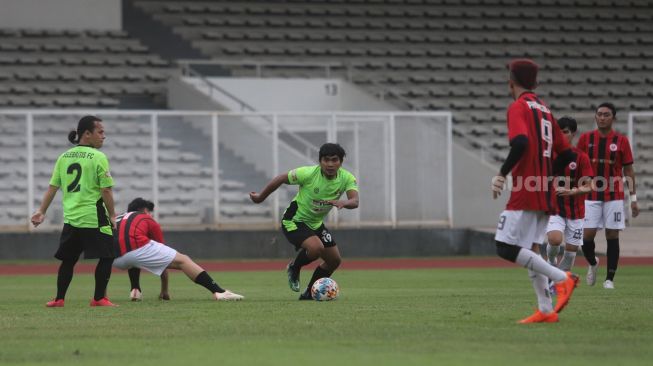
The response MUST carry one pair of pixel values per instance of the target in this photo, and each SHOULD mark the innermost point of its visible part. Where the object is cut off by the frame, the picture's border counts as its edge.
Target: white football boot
(591, 273)
(227, 296)
(608, 285)
(136, 295)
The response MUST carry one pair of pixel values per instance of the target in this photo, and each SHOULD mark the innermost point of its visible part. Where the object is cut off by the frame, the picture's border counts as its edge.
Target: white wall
(61, 14)
(300, 94)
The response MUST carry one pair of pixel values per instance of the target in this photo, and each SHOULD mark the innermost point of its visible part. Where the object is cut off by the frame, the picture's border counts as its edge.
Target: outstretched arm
(39, 215)
(272, 186)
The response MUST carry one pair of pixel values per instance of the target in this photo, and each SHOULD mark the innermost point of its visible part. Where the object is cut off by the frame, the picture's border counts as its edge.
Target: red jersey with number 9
(532, 181)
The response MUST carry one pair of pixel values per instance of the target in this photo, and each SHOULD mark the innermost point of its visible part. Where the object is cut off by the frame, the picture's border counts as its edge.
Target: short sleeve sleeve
(626, 153)
(516, 122)
(582, 143)
(352, 184)
(298, 176)
(55, 180)
(103, 173)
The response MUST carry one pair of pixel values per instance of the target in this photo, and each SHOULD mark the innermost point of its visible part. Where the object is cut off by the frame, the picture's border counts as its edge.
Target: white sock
(533, 261)
(567, 261)
(540, 285)
(552, 253)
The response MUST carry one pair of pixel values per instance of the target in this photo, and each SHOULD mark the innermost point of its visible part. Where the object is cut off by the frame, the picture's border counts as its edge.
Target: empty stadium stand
(69, 68)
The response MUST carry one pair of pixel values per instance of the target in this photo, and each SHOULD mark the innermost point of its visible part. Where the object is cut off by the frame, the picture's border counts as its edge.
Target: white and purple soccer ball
(325, 289)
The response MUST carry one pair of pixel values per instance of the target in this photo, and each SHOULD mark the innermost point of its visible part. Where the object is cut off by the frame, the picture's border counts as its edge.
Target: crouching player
(568, 220)
(139, 244)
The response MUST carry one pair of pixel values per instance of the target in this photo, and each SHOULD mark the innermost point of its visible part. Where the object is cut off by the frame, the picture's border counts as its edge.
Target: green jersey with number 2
(80, 173)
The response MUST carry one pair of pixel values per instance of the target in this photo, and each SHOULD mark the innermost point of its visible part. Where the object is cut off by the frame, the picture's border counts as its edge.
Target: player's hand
(113, 222)
(37, 218)
(498, 182)
(256, 197)
(565, 192)
(336, 203)
(634, 208)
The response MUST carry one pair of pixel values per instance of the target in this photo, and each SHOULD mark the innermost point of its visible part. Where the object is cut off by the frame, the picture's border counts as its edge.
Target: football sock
(552, 253)
(540, 285)
(102, 275)
(205, 280)
(567, 261)
(317, 274)
(588, 251)
(301, 259)
(64, 276)
(613, 258)
(135, 277)
(533, 261)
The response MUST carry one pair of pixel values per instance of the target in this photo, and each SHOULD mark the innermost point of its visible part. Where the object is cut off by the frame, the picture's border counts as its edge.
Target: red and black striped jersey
(573, 207)
(608, 155)
(532, 183)
(135, 229)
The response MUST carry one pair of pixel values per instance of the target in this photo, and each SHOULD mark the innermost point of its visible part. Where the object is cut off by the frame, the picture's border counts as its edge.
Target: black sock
(205, 280)
(135, 277)
(317, 274)
(613, 258)
(102, 275)
(588, 251)
(301, 260)
(64, 276)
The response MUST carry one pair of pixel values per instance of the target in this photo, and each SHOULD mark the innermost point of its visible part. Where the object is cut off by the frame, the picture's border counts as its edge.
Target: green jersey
(314, 189)
(80, 173)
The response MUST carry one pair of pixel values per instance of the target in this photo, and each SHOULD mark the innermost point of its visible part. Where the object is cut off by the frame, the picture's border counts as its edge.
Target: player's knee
(334, 263)
(507, 251)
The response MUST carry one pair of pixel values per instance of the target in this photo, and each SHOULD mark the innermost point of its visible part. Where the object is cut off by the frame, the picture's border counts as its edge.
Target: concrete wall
(61, 14)
(301, 94)
(272, 244)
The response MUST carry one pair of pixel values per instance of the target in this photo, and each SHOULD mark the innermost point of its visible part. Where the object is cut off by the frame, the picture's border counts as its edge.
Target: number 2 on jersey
(547, 136)
(74, 168)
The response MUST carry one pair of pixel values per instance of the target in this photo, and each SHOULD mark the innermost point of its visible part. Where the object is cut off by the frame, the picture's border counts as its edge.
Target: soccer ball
(325, 289)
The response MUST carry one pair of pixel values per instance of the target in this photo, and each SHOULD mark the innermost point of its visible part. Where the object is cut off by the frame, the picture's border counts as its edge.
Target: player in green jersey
(320, 187)
(83, 175)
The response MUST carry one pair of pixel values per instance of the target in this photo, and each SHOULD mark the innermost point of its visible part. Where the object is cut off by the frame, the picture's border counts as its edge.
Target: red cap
(524, 72)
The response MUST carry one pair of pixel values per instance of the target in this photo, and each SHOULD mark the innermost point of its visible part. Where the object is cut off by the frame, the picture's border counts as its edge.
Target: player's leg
(541, 287)
(135, 293)
(592, 222)
(573, 240)
(554, 232)
(68, 253)
(99, 245)
(331, 261)
(165, 293)
(308, 245)
(613, 213)
(198, 275)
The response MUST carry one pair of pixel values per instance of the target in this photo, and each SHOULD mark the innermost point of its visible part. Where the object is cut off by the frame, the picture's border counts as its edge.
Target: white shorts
(608, 214)
(154, 257)
(522, 228)
(572, 229)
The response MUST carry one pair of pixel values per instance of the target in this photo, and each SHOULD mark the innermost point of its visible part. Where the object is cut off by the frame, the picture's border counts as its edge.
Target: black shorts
(297, 236)
(91, 241)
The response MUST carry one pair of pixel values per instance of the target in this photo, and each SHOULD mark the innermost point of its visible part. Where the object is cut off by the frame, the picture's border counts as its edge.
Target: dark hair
(524, 72)
(331, 149)
(138, 204)
(569, 123)
(610, 106)
(87, 123)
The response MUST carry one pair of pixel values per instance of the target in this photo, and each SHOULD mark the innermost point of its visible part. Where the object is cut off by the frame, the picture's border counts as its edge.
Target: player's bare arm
(272, 186)
(350, 203)
(39, 215)
(585, 186)
(629, 172)
(107, 198)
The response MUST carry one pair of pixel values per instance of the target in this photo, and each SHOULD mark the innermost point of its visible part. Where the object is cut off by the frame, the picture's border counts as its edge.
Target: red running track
(352, 264)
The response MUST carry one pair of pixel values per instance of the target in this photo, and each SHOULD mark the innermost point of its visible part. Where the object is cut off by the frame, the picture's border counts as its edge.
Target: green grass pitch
(401, 317)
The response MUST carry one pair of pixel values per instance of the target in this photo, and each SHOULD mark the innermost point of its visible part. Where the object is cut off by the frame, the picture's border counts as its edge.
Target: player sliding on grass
(139, 244)
(567, 222)
(320, 187)
(534, 135)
